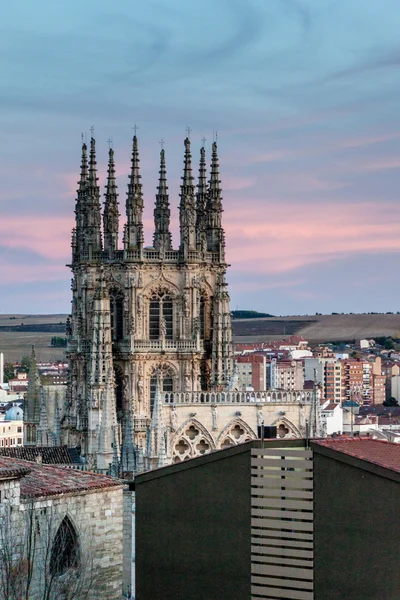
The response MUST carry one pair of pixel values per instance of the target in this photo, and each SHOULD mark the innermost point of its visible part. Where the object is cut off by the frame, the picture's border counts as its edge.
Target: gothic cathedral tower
(143, 314)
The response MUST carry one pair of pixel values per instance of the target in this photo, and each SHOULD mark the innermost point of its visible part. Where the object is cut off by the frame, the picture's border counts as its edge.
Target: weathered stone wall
(98, 520)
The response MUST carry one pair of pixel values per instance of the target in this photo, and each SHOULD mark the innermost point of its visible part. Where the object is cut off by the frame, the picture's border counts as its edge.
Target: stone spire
(140, 459)
(156, 451)
(111, 214)
(133, 237)
(57, 424)
(201, 200)
(100, 366)
(215, 233)
(108, 451)
(92, 211)
(162, 235)
(80, 206)
(32, 404)
(128, 452)
(187, 206)
(42, 433)
(222, 349)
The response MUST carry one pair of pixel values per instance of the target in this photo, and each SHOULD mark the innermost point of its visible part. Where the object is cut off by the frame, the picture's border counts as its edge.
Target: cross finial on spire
(135, 129)
(215, 136)
(92, 130)
(188, 131)
(161, 142)
(203, 141)
(110, 143)
(82, 137)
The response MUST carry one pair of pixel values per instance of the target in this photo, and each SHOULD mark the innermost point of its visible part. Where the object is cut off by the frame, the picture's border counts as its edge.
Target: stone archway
(192, 439)
(235, 432)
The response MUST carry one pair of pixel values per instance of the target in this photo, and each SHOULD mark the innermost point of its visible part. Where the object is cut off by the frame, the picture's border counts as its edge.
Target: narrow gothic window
(154, 318)
(117, 315)
(161, 305)
(65, 550)
(202, 317)
(168, 316)
(119, 393)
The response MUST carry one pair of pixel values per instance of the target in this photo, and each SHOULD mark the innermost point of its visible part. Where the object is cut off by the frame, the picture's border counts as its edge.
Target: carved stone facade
(143, 314)
(151, 377)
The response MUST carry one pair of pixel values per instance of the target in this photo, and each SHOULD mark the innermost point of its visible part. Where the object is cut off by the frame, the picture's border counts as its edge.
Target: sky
(304, 95)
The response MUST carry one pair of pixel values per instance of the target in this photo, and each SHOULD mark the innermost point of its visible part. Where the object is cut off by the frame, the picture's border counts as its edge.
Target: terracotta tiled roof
(46, 480)
(330, 406)
(13, 473)
(377, 452)
(58, 455)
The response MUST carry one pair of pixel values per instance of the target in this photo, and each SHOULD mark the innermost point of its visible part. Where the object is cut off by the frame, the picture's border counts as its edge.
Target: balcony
(167, 345)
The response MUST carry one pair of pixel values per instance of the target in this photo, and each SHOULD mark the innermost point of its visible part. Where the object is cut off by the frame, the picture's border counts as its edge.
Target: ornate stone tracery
(143, 313)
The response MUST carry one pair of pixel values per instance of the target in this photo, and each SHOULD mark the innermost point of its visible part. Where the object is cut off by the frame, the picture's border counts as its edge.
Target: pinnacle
(214, 175)
(202, 184)
(111, 188)
(84, 168)
(187, 179)
(92, 164)
(162, 184)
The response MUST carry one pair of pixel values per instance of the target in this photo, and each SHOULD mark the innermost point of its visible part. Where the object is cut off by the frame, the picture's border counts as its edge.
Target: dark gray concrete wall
(193, 532)
(357, 533)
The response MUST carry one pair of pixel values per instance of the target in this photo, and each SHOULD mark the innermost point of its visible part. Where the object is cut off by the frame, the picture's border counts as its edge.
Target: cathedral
(152, 377)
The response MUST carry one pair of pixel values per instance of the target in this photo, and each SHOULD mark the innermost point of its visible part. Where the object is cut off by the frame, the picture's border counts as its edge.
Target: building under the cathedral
(152, 376)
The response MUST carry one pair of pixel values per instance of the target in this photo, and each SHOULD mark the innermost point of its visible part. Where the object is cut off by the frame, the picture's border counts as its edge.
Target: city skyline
(304, 98)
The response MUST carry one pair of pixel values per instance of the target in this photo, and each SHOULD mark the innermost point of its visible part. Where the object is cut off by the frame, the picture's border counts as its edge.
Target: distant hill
(248, 314)
(318, 328)
(16, 339)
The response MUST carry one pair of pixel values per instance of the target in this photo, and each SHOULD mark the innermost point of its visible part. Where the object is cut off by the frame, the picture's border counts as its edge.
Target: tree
(9, 372)
(25, 364)
(41, 554)
(391, 402)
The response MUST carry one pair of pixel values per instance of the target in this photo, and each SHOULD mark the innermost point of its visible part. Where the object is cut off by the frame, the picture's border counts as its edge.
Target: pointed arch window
(202, 317)
(119, 392)
(117, 314)
(161, 306)
(65, 550)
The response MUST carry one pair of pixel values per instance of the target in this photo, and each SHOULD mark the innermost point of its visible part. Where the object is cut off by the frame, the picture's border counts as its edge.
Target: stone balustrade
(264, 397)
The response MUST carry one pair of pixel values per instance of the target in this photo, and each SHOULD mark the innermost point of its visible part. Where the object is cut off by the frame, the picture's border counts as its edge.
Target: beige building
(289, 374)
(11, 433)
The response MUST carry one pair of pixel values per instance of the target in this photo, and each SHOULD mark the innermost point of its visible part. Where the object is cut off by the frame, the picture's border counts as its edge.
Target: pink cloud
(290, 237)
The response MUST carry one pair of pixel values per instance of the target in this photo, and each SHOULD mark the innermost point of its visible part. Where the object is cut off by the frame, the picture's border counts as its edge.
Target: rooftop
(57, 455)
(46, 480)
(377, 452)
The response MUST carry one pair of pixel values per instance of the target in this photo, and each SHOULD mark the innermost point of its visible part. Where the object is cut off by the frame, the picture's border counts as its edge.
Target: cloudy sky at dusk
(304, 95)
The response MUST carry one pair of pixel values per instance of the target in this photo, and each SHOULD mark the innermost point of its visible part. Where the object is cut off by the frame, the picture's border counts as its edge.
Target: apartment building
(251, 370)
(288, 374)
(11, 434)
